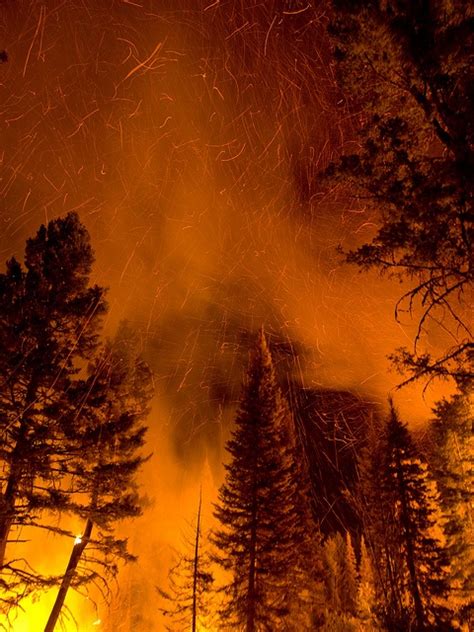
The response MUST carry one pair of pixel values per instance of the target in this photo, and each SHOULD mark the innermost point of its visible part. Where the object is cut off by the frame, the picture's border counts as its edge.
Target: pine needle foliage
(262, 534)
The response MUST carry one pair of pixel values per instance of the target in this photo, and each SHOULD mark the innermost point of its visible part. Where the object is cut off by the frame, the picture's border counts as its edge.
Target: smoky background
(189, 136)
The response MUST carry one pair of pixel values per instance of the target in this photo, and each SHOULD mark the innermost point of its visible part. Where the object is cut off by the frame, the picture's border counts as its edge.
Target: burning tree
(49, 318)
(408, 66)
(265, 531)
(106, 432)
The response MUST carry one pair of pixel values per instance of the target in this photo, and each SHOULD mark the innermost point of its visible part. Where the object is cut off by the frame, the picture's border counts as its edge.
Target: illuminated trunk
(68, 576)
(7, 510)
(196, 565)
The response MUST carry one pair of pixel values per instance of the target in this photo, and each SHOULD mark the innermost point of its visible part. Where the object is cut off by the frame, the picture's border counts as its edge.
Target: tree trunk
(8, 508)
(9, 497)
(19, 456)
(196, 564)
(251, 597)
(68, 576)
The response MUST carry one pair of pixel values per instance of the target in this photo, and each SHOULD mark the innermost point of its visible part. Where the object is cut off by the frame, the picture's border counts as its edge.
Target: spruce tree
(452, 432)
(262, 534)
(49, 320)
(106, 431)
(408, 487)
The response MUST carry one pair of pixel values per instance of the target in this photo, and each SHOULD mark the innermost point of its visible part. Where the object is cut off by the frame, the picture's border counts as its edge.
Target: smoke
(189, 135)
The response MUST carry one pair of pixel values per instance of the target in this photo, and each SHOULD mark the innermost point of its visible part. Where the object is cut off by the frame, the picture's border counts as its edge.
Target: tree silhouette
(263, 535)
(49, 318)
(366, 591)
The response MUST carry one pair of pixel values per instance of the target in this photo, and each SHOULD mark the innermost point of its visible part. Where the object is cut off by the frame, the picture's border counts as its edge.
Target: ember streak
(190, 138)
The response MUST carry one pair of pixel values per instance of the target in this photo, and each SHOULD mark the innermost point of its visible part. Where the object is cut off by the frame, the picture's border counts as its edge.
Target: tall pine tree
(380, 528)
(49, 319)
(263, 530)
(341, 581)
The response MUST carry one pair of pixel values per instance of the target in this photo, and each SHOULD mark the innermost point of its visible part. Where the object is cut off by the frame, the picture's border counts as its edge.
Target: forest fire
(224, 225)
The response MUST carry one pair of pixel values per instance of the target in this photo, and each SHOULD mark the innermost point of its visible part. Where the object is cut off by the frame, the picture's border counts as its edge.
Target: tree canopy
(406, 68)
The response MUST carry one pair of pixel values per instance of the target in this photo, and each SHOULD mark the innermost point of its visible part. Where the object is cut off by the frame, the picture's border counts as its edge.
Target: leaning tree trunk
(7, 507)
(8, 500)
(19, 456)
(68, 576)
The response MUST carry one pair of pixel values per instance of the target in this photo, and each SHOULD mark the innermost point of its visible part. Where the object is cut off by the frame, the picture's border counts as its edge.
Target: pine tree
(190, 585)
(453, 467)
(49, 319)
(261, 533)
(409, 489)
(106, 426)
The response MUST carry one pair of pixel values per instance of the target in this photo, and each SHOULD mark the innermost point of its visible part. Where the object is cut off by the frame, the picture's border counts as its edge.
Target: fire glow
(189, 138)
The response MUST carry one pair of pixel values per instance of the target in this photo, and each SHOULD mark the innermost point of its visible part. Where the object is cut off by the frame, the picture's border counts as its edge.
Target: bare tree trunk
(68, 576)
(196, 563)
